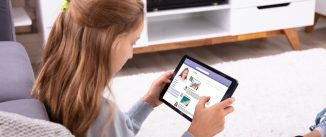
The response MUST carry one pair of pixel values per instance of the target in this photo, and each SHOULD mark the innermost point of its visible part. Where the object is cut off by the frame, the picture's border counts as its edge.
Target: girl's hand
(209, 121)
(153, 94)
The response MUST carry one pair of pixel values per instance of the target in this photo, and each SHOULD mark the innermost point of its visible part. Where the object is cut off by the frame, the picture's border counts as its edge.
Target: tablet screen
(190, 83)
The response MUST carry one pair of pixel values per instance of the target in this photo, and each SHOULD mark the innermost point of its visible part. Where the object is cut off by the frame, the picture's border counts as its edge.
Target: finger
(228, 110)
(166, 77)
(202, 101)
(167, 81)
(226, 103)
(164, 81)
(169, 73)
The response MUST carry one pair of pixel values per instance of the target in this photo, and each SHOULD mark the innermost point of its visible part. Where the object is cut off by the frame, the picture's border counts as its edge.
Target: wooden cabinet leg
(311, 28)
(292, 36)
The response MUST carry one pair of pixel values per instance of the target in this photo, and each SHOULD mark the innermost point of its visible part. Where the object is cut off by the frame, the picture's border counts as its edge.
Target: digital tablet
(190, 81)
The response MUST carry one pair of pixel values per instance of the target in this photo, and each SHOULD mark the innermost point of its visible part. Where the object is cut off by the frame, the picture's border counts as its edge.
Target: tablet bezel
(228, 93)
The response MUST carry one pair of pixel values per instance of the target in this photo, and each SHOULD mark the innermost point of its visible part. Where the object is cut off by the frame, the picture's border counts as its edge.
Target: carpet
(278, 96)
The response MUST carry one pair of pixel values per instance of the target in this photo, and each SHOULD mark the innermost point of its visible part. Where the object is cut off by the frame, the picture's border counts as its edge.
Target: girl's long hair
(76, 65)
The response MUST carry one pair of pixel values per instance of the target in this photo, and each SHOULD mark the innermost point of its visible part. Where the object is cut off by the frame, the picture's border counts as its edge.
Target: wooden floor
(162, 61)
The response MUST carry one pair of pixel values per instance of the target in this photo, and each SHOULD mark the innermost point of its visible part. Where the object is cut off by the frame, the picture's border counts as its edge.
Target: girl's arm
(128, 125)
(124, 124)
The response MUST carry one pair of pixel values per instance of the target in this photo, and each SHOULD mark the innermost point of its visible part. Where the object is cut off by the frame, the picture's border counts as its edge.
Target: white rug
(278, 96)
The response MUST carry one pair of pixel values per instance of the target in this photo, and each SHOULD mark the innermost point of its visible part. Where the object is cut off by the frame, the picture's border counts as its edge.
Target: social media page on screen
(193, 81)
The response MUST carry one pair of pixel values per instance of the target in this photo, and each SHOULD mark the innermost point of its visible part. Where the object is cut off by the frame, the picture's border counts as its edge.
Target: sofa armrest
(16, 73)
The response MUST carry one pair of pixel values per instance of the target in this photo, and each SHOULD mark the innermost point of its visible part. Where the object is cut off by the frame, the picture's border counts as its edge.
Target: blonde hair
(76, 65)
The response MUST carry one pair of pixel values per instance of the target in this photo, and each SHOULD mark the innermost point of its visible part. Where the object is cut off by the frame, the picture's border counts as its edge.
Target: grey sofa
(16, 73)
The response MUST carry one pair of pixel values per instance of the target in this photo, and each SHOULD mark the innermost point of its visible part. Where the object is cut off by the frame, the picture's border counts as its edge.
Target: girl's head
(184, 74)
(89, 43)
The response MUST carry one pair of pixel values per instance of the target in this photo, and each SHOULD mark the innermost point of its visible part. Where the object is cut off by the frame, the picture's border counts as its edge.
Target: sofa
(16, 73)
(20, 113)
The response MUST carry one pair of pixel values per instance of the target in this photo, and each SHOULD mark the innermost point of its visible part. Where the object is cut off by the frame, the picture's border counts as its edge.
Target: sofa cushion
(28, 107)
(16, 73)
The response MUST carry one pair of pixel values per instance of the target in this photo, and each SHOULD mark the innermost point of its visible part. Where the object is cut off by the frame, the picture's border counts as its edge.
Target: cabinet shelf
(184, 28)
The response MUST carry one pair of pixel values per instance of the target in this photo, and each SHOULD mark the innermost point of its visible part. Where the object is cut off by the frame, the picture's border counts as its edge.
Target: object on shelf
(188, 10)
(155, 5)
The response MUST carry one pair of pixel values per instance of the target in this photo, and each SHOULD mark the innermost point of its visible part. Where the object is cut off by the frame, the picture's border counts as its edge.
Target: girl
(89, 43)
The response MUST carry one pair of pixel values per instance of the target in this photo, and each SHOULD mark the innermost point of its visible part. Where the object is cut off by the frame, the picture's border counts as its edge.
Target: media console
(233, 20)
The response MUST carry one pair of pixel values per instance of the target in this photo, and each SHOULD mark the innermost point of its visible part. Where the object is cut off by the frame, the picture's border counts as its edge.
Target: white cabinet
(22, 21)
(321, 7)
(143, 40)
(266, 18)
(232, 18)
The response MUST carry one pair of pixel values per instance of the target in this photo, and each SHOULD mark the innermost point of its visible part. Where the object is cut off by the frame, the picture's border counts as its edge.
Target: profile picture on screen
(184, 74)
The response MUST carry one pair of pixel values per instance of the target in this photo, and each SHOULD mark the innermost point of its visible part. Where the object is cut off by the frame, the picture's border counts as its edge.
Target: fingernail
(233, 99)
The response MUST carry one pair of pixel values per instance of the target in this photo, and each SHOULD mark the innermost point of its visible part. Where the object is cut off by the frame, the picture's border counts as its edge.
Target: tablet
(193, 79)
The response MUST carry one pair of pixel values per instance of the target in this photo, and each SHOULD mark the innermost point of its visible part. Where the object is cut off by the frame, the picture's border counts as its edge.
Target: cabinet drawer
(258, 19)
(251, 3)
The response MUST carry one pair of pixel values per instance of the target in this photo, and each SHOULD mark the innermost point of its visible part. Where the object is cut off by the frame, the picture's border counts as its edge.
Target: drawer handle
(273, 6)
